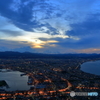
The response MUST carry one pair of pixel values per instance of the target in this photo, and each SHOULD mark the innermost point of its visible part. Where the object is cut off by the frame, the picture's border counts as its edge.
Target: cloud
(29, 15)
(22, 13)
(83, 36)
(11, 44)
(88, 32)
(8, 29)
(7, 45)
(10, 32)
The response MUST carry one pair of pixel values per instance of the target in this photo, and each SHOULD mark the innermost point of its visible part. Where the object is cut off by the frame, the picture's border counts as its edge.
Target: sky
(50, 26)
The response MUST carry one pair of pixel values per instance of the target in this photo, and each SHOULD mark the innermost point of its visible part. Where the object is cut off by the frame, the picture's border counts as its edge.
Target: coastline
(3, 83)
(83, 70)
(11, 84)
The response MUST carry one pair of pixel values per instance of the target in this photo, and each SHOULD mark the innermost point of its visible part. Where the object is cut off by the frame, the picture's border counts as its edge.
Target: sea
(92, 67)
(14, 80)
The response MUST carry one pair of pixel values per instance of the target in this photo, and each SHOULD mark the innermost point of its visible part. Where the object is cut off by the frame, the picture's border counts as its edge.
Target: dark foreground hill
(9, 54)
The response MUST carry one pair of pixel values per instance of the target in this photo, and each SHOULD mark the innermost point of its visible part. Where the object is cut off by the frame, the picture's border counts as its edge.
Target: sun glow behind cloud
(33, 39)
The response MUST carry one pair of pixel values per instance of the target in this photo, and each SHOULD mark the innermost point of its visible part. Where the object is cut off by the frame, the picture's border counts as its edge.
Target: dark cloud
(11, 33)
(24, 15)
(11, 44)
(51, 30)
(89, 27)
(6, 45)
(88, 32)
(44, 39)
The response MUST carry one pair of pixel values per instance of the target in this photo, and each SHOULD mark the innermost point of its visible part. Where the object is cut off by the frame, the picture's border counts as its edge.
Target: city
(52, 79)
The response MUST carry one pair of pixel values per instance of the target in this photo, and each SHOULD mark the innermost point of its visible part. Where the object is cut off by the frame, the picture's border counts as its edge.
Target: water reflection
(92, 67)
(14, 80)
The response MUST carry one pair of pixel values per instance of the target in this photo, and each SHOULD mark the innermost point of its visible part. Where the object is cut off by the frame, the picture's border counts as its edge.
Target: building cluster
(52, 79)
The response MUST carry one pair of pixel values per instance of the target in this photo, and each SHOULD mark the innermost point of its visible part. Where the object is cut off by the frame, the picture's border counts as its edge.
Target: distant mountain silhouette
(4, 49)
(22, 49)
(11, 54)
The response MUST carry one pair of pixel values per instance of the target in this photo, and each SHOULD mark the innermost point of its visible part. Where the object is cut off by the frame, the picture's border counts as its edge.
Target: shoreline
(5, 88)
(3, 83)
(80, 67)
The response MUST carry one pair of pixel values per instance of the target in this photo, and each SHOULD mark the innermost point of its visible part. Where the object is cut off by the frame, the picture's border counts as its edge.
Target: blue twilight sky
(50, 26)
